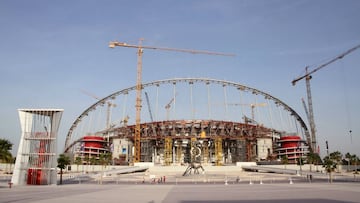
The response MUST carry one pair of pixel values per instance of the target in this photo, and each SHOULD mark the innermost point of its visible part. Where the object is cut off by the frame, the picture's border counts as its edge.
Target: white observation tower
(36, 162)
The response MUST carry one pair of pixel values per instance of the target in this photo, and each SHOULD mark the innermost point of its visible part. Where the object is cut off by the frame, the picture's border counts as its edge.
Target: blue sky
(50, 50)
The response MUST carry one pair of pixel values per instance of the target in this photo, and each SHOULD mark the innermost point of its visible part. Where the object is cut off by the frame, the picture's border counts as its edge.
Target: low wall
(6, 168)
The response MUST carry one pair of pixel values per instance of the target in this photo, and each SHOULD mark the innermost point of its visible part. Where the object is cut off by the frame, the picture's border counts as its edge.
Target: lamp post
(300, 157)
(348, 165)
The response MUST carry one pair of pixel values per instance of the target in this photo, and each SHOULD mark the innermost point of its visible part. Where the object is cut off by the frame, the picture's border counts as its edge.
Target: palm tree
(347, 160)
(77, 161)
(5, 154)
(63, 161)
(356, 160)
(336, 157)
(330, 165)
(313, 158)
(86, 160)
(350, 159)
(104, 159)
(93, 161)
(284, 160)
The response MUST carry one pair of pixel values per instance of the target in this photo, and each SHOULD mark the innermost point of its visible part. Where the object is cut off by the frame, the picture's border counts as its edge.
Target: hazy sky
(50, 50)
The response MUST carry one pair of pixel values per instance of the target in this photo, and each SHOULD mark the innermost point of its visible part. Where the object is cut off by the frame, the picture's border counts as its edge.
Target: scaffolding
(146, 150)
(195, 150)
(205, 147)
(185, 142)
(36, 162)
(179, 152)
(168, 151)
(218, 151)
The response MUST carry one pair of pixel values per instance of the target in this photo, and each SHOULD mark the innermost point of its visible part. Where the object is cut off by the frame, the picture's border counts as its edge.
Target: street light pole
(300, 161)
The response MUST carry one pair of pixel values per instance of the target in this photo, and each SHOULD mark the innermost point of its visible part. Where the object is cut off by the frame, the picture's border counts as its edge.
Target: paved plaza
(217, 184)
(184, 193)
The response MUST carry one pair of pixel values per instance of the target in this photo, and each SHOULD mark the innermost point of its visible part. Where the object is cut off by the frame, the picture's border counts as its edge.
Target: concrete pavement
(156, 193)
(217, 184)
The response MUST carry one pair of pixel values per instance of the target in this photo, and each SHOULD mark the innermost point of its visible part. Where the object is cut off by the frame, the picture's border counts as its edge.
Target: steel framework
(70, 142)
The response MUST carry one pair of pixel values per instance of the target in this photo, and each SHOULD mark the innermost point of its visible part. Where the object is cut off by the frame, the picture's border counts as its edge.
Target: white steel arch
(206, 81)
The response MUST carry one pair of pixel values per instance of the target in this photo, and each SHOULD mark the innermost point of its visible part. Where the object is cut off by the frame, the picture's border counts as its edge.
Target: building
(91, 146)
(180, 142)
(293, 148)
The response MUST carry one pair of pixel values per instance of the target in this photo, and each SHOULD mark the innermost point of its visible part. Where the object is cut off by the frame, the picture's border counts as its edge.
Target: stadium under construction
(182, 141)
(206, 141)
(211, 127)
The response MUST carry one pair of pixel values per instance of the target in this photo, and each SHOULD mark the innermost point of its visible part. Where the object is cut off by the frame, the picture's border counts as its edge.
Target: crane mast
(140, 48)
(308, 77)
(305, 108)
(137, 137)
(149, 107)
(311, 111)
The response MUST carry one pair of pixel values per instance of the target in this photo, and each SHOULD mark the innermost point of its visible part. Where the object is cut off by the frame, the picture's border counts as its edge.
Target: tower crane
(140, 48)
(305, 108)
(109, 106)
(308, 77)
(168, 106)
(149, 107)
(252, 106)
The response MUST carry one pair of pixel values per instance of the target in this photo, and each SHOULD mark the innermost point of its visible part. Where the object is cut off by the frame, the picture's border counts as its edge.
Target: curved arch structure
(206, 81)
